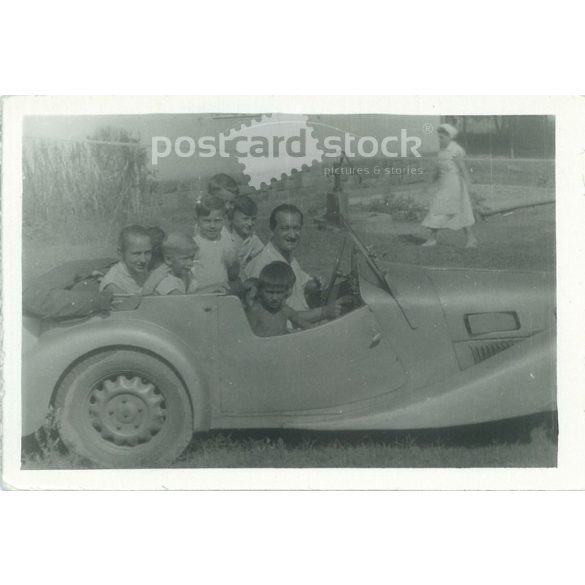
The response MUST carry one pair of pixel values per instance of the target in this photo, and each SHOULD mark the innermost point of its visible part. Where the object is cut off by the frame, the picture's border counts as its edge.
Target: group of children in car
(213, 260)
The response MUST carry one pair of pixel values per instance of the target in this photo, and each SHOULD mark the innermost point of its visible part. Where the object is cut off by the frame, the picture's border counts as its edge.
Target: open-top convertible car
(417, 348)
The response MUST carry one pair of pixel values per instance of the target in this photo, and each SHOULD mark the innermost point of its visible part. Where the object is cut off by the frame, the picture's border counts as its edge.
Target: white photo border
(570, 237)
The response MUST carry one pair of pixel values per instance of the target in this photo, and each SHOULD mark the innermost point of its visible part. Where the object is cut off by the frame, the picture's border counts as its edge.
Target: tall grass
(105, 178)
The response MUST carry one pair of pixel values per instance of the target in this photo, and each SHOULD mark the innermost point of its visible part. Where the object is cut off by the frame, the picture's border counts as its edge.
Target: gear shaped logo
(274, 146)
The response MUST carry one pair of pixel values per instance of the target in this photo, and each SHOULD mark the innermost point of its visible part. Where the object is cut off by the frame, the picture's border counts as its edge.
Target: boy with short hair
(215, 260)
(242, 218)
(179, 254)
(223, 186)
(268, 314)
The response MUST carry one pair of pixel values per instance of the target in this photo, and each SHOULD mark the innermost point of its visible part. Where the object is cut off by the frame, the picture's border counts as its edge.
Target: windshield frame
(369, 257)
(380, 275)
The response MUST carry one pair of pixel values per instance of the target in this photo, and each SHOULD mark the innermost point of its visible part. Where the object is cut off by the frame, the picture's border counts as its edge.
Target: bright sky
(173, 126)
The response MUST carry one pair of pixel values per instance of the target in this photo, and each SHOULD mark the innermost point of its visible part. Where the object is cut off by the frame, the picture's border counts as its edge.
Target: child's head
(223, 186)
(179, 253)
(209, 215)
(135, 249)
(243, 215)
(275, 283)
(157, 235)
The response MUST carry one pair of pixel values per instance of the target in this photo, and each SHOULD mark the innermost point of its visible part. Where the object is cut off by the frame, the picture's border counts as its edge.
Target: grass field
(529, 442)
(526, 442)
(523, 240)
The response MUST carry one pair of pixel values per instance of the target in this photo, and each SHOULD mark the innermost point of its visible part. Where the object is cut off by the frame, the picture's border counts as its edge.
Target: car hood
(494, 303)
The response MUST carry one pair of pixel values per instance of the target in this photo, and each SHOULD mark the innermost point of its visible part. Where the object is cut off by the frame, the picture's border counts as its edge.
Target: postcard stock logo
(275, 146)
(278, 144)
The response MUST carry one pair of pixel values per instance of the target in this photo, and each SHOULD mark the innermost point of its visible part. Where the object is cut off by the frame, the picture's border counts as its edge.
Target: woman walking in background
(451, 205)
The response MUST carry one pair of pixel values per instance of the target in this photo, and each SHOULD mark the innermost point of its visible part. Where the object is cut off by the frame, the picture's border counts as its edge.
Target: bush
(402, 207)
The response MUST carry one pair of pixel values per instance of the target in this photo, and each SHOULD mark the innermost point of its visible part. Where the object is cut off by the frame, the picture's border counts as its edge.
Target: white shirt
(119, 276)
(246, 249)
(171, 283)
(212, 260)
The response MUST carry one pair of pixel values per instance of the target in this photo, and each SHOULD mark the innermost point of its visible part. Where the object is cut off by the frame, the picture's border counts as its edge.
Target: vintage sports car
(417, 348)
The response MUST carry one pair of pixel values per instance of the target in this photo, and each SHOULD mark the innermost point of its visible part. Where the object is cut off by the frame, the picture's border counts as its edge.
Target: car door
(340, 362)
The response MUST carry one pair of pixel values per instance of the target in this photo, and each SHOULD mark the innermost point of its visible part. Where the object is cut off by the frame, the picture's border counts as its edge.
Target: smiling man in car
(286, 223)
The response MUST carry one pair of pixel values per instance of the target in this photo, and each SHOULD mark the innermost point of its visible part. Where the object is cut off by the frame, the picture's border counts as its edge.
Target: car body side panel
(517, 382)
(340, 362)
(421, 339)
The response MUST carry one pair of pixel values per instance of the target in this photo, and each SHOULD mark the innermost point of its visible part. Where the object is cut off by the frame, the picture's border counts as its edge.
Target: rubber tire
(71, 404)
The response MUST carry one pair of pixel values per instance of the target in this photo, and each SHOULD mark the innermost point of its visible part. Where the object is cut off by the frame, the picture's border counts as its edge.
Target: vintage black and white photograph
(272, 289)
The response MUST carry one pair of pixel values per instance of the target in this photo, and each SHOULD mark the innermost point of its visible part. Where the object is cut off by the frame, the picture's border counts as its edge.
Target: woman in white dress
(451, 206)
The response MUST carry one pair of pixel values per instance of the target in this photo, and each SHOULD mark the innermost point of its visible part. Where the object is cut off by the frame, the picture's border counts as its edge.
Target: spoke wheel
(124, 409)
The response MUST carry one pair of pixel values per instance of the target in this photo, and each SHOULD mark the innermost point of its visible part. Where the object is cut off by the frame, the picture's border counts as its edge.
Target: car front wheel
(124, 409)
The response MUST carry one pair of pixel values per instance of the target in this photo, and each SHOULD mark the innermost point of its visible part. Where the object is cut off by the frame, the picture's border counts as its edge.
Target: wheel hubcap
(127, 410)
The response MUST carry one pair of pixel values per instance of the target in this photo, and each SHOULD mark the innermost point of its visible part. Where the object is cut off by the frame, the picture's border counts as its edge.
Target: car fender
(517, 382)
(58, 350)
